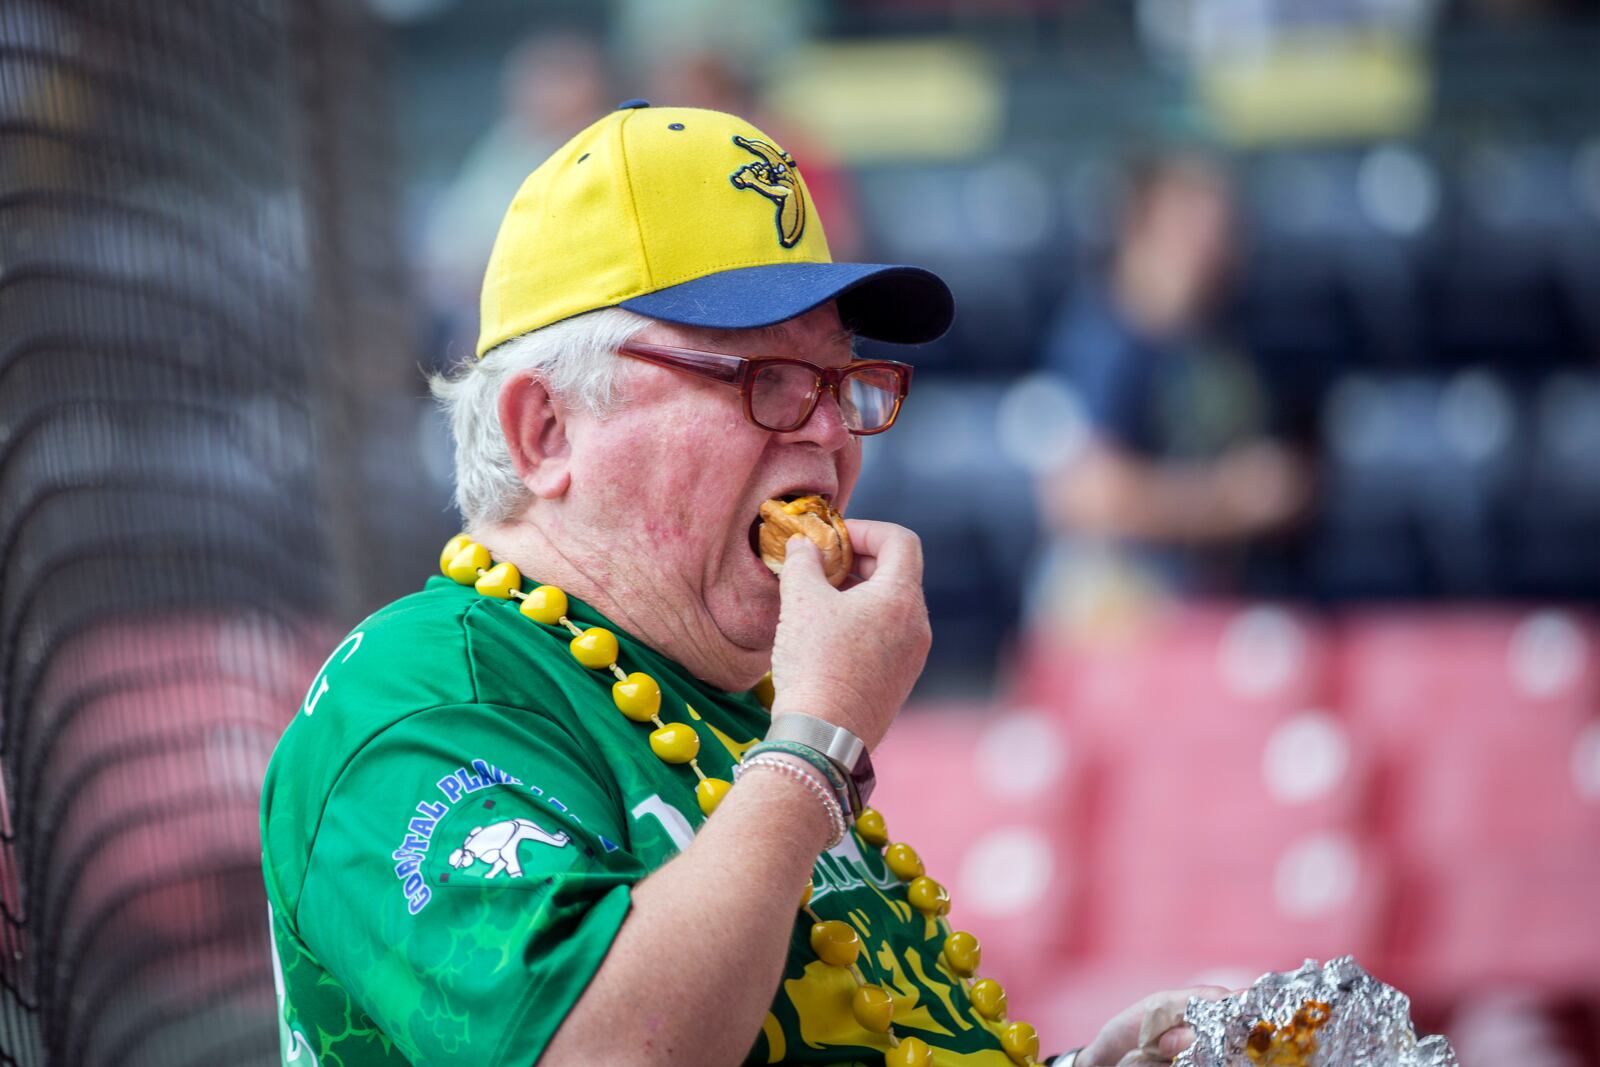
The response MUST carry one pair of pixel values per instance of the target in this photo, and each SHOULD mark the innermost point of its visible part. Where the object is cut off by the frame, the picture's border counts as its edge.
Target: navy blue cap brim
(903, 305)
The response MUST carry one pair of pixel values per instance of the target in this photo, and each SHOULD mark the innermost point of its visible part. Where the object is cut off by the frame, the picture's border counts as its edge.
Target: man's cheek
(664, 482)
(663, 533)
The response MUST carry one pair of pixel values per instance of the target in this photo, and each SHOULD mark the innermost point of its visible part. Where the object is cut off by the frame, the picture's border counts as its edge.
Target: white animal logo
(497, 845)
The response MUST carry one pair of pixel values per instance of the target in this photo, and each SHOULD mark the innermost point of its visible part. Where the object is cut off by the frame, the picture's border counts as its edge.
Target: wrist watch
(847, 751)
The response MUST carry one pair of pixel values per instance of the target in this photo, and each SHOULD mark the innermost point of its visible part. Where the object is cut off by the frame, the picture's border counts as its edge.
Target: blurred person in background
(1178, 475)
(552, 85)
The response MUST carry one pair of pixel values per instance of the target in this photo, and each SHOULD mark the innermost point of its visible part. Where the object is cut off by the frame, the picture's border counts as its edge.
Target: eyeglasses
(780, 394)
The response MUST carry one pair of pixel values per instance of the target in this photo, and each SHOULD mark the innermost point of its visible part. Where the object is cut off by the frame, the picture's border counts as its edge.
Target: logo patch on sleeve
(490, 828)
(497, 844)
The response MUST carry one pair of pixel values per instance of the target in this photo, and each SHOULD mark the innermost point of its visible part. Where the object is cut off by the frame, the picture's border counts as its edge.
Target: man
(661, 918)
(1179, 474)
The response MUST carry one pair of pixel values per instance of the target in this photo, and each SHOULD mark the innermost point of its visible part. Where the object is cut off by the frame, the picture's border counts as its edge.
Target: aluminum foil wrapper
(1369, 1024)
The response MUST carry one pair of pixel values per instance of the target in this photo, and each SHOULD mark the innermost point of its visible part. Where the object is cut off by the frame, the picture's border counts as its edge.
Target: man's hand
(851, 656)
(1149, 1033)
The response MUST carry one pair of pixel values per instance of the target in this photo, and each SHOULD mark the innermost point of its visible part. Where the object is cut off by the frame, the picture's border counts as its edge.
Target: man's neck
(667, 620)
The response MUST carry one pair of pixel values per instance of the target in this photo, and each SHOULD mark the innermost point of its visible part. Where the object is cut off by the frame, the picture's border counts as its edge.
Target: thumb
(802, 565)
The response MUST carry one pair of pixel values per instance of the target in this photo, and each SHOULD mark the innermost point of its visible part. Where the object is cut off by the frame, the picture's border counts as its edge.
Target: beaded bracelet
(825, 766)
(807, 778)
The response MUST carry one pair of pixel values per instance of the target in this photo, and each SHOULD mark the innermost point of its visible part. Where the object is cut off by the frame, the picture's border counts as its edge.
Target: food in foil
(1292, 1044)
(1332, 1015)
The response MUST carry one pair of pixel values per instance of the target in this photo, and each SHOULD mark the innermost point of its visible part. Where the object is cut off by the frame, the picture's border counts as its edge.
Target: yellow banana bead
(499, 580)
(675, 742)
(710, 792)
(989, 997)
(764, 692)
(910, 1052)
(1020, 1042)
(928, 896)
(903, 861)
(545, 604)
(871, 827)
(465, 564)
(637, 696)
(962, 952)
(452, 548)
(836, 943)
(873, 1007)
(805, 898)
(595, 648)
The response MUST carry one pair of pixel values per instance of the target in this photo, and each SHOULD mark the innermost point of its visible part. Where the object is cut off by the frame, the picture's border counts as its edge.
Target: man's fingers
(1161, 1014)
(802, 565)
(884, 546)
(1176, 1040)
(1178, 1035)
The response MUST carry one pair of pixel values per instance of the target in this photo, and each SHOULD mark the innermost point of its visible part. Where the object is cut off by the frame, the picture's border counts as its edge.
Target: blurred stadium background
(233, 236)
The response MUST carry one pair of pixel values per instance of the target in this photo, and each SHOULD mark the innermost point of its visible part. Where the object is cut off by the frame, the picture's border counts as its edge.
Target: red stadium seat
(1441, 822)
(1495, 837)
(990, 800)
(1225, 816)
(1481, 792)
(1405, 677)
(1524, 920)
(1251, 660)
(1216, 846)
(1486, 730)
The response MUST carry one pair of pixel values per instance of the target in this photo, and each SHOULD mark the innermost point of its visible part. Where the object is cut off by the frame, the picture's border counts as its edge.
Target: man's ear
(535, 427)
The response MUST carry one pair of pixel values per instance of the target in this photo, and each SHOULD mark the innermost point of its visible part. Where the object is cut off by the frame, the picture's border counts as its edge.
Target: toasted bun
(813, 517)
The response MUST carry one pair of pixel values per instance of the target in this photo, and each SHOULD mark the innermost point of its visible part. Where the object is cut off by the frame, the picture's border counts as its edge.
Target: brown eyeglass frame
(740, 372)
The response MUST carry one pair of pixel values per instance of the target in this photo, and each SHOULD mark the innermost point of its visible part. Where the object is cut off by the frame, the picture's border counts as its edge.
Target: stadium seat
(1217, 846)
(1485, 727)
(1225, 810)
(1407, 676)
(991, 801)
(1256, 661)
(1493, 837)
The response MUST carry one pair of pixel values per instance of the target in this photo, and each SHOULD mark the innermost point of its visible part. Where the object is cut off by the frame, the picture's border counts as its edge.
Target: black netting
(198, 297)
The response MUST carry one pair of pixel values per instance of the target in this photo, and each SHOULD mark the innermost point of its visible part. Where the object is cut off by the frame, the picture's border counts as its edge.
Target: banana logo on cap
(773, 176)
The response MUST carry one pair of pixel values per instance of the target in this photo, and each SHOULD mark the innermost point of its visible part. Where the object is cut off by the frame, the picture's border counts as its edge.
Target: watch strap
(835, 742)
(844, 748)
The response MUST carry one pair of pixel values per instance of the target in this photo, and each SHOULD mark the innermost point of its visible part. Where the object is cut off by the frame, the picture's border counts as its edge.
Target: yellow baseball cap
(691, 217)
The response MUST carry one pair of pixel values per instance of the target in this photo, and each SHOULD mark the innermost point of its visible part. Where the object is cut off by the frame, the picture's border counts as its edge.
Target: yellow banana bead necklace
(835, 941)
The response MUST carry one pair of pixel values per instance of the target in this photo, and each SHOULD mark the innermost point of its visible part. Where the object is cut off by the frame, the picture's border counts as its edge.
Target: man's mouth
(787, 496)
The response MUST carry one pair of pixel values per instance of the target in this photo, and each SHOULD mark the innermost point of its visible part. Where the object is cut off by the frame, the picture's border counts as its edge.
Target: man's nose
(825, 428)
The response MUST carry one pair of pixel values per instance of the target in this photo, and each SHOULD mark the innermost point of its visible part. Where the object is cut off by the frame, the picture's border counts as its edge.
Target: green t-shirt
(451, 826)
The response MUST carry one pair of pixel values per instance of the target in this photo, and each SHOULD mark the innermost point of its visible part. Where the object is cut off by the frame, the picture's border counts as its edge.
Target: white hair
(577, 361)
